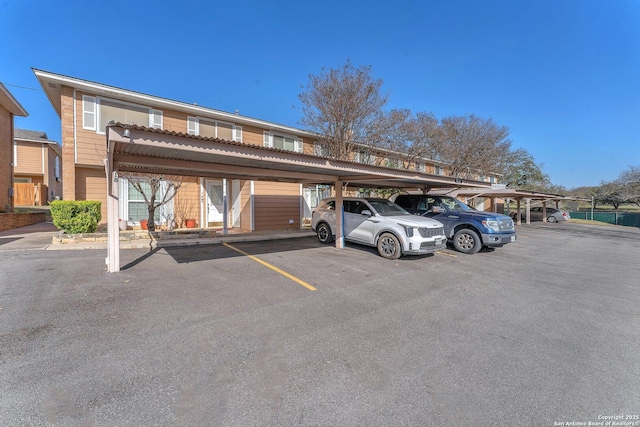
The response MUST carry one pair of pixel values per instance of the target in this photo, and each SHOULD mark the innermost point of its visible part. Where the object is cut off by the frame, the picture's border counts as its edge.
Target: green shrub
(76, 216)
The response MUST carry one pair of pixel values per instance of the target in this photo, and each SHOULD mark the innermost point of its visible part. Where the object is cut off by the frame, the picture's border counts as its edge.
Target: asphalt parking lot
(541, 332)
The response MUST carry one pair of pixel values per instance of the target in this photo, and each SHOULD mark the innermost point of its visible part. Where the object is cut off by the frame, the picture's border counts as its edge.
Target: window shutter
(237, 133)
(267, 139)
(298, 145)
(156, 119)
(192, 125)
(88, 112)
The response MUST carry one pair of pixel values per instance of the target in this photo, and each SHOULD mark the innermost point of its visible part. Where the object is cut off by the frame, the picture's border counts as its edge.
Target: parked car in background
(468, 229)
(379, 223)
(553, 214)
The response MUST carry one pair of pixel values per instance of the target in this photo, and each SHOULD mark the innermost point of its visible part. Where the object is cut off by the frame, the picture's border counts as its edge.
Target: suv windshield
(387, 208)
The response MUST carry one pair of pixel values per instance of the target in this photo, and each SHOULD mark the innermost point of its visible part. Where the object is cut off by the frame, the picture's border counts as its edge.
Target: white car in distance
(379, 223)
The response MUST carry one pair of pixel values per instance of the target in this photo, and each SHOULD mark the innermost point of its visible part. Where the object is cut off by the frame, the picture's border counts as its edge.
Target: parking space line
(274, 268)
(447, 254)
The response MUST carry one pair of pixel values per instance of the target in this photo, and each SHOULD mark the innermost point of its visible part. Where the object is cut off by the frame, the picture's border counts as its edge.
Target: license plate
(513, 238)
(438, 240)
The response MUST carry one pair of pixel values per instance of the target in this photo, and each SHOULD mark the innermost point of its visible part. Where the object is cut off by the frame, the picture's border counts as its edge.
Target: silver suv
(382, 224)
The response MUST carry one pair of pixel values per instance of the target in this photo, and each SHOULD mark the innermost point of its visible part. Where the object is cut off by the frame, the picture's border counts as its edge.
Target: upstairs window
(365, 157)
(214, 129)
(419, 166)
(321, 150)
(97, 112)
(282, 142)
(438, 170)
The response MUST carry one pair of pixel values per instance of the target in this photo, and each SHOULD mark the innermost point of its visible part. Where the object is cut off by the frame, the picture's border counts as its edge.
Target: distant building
(37, 160)
(9, 107)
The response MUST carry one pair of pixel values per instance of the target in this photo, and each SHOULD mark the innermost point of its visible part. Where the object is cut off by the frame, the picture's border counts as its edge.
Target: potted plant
(143, 224)
(190, 223)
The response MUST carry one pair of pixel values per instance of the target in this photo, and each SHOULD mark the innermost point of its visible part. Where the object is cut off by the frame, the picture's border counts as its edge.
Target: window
(214, 129)
(492, 179)
(392, 163)
(282, 142)
(18, 180)
(57, 168)
(365, 157)
(98, 112)
(135, 208)
(420, 167)
(321, 150)
(437, 170)
(88, 112)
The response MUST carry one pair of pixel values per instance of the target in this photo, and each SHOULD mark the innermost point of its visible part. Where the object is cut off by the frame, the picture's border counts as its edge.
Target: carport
(508, 193)
(137, 149)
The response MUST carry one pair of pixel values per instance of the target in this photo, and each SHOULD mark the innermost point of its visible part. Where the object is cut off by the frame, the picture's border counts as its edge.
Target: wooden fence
(28, 194)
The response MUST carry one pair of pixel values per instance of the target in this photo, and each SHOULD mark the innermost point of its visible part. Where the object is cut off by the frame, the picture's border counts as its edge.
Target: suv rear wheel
(324, 233)
(467, 241)
(389, 246)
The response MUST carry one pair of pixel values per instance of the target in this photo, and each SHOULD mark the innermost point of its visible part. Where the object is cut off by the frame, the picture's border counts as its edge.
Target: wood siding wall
(245, 205)
(186, 204)
(6, 157)
(91, 184)
(29, 159)
(276, 204)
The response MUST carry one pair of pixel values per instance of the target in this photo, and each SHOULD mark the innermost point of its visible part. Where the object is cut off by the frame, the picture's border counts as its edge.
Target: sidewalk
(40, 236)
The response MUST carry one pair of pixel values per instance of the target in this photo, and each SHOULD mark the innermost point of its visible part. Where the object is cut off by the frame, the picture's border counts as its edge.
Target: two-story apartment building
(85, 108)
(9, 107)
(37, 160)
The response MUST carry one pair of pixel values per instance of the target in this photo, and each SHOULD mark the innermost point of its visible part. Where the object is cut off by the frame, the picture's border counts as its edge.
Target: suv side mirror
(366, 212)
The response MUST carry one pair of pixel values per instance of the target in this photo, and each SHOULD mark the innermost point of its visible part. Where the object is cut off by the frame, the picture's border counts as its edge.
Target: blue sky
(562, 75)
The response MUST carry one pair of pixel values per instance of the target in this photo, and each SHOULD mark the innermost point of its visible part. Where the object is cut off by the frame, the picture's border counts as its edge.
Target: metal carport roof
(132, 148)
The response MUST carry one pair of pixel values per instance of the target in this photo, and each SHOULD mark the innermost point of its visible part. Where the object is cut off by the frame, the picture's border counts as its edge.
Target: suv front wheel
(324, 233)
(389, 246)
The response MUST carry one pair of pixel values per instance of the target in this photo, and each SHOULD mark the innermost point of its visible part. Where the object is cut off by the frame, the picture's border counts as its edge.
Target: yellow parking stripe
(447, 254)
(276, 269)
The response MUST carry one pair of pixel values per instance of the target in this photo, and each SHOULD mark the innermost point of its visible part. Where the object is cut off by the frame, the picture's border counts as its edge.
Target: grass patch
(590, 222)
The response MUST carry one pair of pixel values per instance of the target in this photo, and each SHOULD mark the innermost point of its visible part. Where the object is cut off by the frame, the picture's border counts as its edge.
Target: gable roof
(39, 137)
(10, 103)
(52, 84)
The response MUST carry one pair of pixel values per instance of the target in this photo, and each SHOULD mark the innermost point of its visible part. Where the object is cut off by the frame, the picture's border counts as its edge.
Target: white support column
(339, 215)
(528, 207)
(225, 208)
(519, 208)
(113, 228)
(544, 211)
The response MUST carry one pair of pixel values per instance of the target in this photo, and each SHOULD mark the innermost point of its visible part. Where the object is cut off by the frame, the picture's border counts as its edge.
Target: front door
(215, 202)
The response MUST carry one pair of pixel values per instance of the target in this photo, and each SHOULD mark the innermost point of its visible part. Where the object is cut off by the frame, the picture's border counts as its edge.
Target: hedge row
(76, 216)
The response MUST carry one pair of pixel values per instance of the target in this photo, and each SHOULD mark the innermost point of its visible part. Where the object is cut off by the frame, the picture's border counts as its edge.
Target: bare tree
(153, 197)
(344, 107)
(473, 145)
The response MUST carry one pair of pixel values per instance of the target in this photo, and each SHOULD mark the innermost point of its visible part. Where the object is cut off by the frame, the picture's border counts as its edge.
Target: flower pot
(143, 224)
(122, 224)
(190, 223)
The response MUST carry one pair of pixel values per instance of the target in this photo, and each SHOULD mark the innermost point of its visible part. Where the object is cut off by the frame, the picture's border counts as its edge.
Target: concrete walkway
(39, 237)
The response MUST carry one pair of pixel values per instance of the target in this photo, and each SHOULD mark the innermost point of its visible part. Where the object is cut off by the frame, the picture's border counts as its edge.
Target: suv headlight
(408, 230)
(492, 224)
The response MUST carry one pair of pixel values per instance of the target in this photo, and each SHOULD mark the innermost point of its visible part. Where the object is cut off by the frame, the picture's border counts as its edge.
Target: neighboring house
(9, 108)
(85, 109)
(37, 160)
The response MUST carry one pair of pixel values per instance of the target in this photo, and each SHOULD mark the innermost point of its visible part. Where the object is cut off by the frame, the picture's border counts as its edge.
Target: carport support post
(544, 211)
(518, 207)
(339, 216)
(528, 207)
(113, 228)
